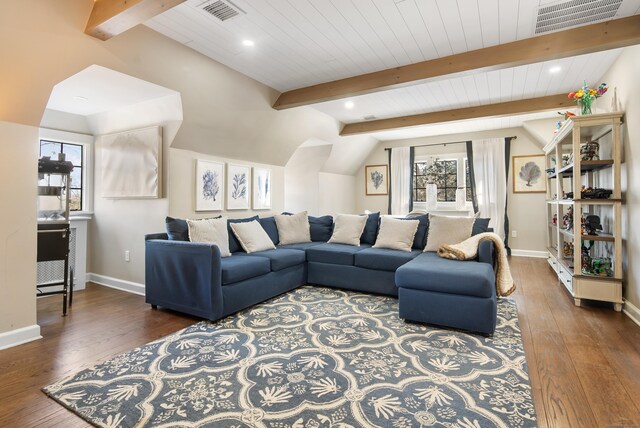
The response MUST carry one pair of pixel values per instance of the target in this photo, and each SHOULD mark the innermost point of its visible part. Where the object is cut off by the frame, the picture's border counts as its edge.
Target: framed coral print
(261, 188)
(376, 178)
(209, 185)
(238, 187)
(528, 174)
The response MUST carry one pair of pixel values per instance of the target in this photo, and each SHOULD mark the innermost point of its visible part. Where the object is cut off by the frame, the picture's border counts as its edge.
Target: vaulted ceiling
(299, 43)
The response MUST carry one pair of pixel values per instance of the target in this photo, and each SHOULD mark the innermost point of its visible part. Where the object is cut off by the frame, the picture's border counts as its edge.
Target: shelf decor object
(585, 96)
(588, 265)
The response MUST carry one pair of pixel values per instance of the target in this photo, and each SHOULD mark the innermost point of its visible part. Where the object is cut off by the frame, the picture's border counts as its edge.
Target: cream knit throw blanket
(468, 250)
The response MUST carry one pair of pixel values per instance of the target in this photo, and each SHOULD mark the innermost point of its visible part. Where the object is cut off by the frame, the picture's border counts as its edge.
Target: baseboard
(19, 336)
(118, 284)
(632, 312)
(529, 253)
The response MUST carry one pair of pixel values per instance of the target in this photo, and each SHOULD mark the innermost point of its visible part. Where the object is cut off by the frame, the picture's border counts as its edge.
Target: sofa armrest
(486, 253)
(184, 276)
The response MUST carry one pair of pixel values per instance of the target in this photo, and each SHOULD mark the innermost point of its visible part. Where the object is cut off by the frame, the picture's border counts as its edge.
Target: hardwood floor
(584, 362)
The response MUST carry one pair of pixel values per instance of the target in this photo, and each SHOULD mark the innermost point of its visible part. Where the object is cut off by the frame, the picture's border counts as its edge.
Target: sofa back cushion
(481, 225)
(420, 239)
(396, 234)
(348, 229)
(211, 231)
(447, 230)
(293, 229)
(234, 244)
(252, 236)
(321, 228)
(269, 226)
(370, 231)
(177, 229)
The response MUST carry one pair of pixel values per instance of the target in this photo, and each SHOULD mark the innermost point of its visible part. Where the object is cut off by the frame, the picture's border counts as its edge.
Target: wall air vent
(223, 10)
(575, 12)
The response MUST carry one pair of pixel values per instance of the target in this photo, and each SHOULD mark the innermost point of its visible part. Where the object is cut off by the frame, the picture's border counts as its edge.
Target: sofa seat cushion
(240, 267)
(384, 258)
(429, 272)
(337, 254)
(281, 258)
(300, 245)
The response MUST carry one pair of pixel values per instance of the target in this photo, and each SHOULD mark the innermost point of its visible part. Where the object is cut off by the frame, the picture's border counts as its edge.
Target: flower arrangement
(586, 95)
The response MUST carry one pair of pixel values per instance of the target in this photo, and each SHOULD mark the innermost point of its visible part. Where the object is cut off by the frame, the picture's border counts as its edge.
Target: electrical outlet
(127, 256)
(514, 233)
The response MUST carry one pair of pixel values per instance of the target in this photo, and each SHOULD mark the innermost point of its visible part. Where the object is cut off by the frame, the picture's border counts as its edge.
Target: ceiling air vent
(575, 12)
(223, 10)
(369, 117)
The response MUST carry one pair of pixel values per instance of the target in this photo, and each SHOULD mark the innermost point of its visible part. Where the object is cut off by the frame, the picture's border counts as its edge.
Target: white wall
(337, 194)
(623, 75)
(526, 212)
(19, 177)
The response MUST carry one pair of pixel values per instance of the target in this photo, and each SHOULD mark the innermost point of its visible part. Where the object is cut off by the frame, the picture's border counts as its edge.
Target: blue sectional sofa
(193, 278)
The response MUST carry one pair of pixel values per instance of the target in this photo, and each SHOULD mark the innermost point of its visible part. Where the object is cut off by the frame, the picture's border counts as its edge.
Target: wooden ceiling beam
(509, 108)
(111, 17)
(577, 41)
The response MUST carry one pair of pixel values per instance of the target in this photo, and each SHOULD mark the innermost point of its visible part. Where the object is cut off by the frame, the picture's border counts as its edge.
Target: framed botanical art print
(261, 188)
(376, 178)
(238, 187)
(528, 174)
(209, 185)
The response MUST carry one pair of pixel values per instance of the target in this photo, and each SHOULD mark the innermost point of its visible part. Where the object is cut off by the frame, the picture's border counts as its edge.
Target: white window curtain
(400, 180)
(491, 181)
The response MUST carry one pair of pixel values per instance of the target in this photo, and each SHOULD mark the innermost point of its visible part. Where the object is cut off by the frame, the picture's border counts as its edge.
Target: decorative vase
(585, 107)
(461, 198)
(432, 195)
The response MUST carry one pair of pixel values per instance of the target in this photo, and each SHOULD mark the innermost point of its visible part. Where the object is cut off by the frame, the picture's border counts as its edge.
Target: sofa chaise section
(459, 294)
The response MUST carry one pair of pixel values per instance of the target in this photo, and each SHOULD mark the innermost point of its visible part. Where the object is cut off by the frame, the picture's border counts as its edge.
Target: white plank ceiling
(304, 42)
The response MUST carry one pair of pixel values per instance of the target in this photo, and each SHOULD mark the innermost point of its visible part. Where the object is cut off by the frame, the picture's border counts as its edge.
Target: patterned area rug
(313, 358)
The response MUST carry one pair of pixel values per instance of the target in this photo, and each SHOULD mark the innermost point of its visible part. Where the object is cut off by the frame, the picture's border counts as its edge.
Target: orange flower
(572, 94)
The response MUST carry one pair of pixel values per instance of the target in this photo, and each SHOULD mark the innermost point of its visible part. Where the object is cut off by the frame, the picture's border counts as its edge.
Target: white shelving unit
(566, 246)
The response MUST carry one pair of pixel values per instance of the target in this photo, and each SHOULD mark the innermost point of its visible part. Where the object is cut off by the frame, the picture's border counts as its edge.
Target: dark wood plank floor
(584, 362)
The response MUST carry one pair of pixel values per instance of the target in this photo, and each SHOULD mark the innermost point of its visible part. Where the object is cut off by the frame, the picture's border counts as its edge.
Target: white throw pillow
(396, 234)
(211, 231)
(293, 229)
(252, 236)
(447, 230)
(347, 229)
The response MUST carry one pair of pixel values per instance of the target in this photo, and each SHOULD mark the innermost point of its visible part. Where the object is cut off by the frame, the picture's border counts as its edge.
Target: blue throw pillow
(177, 229)
(269, 226)
(321, 228)
(370, 232)
(420, 239)
(480, 225)
(234, 244)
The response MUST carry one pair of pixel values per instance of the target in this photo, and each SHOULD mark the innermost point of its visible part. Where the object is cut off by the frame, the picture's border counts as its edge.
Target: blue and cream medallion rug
(313, 358)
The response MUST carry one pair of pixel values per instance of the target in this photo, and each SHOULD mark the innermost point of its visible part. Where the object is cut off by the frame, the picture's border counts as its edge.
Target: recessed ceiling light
(80, 98)
(248, 42)
(555, 69)
(349, 104)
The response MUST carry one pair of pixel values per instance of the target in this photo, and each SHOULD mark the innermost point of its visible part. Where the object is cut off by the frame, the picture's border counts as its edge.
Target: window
(75, 154)
(446, 178)
(450, 173)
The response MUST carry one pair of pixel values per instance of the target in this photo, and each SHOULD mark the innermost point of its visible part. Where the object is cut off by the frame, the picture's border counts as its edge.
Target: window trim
(86, 141)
